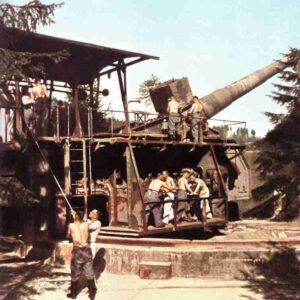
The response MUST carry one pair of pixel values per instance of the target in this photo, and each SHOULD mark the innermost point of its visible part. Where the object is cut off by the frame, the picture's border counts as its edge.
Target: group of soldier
(177, 124)
(164, 190)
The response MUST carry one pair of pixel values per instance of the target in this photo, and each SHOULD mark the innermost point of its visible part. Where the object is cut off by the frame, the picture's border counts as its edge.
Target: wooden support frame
(139, 184)
(212, 150)
(121, 71)
(19, 127)
(78, 131)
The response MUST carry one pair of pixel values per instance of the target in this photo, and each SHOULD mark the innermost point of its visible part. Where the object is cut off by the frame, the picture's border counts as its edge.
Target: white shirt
(94, 229)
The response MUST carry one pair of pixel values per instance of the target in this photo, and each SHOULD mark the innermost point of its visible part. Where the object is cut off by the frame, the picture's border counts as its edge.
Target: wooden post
(78, 132)
(129, 185)
(121, 70)
(91, 94)
(19, 109)
(49, 107)
(85, 178)
(67, 172)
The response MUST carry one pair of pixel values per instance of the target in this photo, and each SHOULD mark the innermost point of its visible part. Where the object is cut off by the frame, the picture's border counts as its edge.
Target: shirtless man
(94, 229)
(39, 91)
(156, 186)
(40, 95)
(174, 118)
(183, 188)
(82, 260)
(196, 125)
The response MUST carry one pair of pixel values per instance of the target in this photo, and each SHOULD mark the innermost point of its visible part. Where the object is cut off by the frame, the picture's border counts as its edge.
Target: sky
(213, 43)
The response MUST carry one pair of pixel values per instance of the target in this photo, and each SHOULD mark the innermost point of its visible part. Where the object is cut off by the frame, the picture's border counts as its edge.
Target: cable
(51, 171)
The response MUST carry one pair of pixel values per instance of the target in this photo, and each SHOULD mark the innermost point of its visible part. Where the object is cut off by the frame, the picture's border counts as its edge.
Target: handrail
(138, 118)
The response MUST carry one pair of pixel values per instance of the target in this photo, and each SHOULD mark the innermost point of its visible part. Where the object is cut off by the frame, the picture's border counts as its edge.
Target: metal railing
(62, 122)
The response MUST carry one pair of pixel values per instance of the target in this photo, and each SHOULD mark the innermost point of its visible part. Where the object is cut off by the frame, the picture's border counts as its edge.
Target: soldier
(197, 114)
(168, 214)
(82, 260)
(183, 207)
(39, 94)
(152, 195)
(203, 192)
(94, 229)
(174, 119)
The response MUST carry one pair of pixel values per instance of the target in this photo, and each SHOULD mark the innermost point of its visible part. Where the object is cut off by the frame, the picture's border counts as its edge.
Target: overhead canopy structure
(84, 63)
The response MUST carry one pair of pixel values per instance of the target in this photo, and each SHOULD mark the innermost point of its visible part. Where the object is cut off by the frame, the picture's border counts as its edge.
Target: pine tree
(18, 65)
(144, 89)
(279, 159)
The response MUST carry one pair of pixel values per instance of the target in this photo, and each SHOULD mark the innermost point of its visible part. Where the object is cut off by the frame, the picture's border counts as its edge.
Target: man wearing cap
(174, 118)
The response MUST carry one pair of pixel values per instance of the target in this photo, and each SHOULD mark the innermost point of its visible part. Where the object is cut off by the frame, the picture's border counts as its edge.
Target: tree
(144, 87)
(279, 160)
(20, 65)
(25, 17)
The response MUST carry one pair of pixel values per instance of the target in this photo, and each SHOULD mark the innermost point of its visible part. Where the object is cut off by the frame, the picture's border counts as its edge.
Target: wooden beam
(78, 132)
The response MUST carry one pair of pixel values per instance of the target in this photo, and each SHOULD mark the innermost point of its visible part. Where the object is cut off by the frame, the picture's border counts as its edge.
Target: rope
(51, 171)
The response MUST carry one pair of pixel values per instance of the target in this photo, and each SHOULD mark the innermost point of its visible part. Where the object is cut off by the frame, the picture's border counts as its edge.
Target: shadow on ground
(16, 277)
(277, 276)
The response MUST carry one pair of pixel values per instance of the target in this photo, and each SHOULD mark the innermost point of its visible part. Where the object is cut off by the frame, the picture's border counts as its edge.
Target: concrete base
(154, 270)
(203, 260)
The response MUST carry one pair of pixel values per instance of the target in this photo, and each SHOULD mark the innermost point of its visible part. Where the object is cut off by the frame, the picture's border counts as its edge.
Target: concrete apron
(203, 260)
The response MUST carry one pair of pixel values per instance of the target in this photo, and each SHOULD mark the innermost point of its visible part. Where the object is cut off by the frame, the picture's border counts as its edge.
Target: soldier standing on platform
(197, 114)
(174, 119)
(39, 94)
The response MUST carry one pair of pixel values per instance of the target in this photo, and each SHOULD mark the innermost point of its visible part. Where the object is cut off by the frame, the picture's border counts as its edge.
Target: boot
(73, 290)
(92, 288)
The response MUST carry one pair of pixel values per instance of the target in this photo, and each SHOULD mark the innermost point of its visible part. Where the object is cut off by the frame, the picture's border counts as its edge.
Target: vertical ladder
(78, 171)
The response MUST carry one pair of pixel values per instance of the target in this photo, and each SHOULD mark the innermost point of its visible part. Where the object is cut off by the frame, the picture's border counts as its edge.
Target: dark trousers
(41, 114)
(183, 206)
(82, 263)
(174, 124)
(196, 128)
(155, 208)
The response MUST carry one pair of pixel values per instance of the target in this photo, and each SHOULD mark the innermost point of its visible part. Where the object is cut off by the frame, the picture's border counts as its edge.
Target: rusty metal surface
(179, 88)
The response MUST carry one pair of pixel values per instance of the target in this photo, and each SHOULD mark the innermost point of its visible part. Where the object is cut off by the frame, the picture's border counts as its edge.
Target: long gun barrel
(223, 97)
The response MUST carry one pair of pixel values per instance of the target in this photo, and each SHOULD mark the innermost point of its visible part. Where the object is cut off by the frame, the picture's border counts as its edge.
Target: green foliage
(13, 192)
(28, 16)
(241, 134)
(279, 159)
(23, 64)
(144, 89)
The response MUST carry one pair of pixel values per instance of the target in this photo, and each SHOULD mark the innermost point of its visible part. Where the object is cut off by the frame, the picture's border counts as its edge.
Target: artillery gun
(81, 158)
(214, 102)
